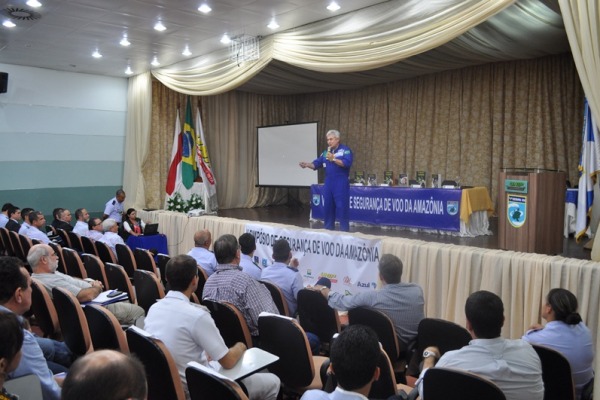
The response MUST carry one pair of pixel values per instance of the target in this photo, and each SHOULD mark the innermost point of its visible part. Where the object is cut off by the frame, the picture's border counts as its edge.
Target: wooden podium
(531, 207)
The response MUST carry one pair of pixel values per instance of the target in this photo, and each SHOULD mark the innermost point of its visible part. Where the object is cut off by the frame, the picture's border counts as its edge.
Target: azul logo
(452, 207)
(366, 284)
(316, 199)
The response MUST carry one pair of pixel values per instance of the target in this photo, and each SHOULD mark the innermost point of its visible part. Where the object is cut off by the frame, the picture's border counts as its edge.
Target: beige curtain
(467, 123)
(139, 98)
(582, 23)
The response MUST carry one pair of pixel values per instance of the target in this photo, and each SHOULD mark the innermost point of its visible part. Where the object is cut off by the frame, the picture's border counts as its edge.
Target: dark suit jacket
(13, 225)
(62, 225)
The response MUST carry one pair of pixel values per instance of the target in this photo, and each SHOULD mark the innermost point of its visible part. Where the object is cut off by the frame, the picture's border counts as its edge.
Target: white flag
(204, 166)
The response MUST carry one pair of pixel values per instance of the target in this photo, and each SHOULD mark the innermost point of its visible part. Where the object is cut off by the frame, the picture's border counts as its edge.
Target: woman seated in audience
(11, 340)
(566, 333)
(132, 225)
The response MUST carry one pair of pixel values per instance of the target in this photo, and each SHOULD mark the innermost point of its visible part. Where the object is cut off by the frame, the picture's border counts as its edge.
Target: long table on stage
(463, 212)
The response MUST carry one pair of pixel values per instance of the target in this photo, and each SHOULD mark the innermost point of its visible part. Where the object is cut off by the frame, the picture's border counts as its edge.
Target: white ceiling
(69, 31)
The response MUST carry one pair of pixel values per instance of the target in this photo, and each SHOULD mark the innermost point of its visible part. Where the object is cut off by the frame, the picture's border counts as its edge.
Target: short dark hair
(281, 250)
(56, 212)
(105, 374)
(485, 312)
(11, 277)
(120, 192)
(79, 213)
(92, 223)
(6, 206)
(354, 356)
(225, 249)
(25, 213)
(12, 210)
(11, 336)
(35, 215)
(390, 268)
(564, 304)
(180, 271)
(247, 243)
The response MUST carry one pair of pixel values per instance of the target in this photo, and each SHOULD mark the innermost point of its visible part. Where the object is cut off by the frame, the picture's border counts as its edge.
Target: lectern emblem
(316, 199)
(516, 212)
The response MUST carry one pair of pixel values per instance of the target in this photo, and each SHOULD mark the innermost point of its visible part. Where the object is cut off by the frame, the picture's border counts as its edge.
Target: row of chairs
(15, 245)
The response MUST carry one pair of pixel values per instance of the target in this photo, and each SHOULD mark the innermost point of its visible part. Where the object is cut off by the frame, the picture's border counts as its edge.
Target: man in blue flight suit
(336, 160)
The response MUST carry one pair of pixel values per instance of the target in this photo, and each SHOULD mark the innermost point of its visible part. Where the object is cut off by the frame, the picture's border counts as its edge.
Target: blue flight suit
(336, 191)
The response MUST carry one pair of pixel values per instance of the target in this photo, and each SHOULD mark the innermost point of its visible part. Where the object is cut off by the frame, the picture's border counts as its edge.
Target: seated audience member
(105, 375)
(4, 214)
(114, 207)
(354, 356)
(566, 333)
(229, 284)
(190, 333)
(513, 365)
(44, 262)
(111, 237)
(95, 231)
(56, 216)
(132, 225)
(81, 226)
(248, 246)
(11, 341)
(15, 297)
(38, 221)
(62, 219)
(14, 216)
(204, 257)
(402, 302)
(284, 276)
(26, 222)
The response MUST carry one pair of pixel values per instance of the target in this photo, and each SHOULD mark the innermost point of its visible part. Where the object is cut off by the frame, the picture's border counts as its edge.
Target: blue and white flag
(589, 166)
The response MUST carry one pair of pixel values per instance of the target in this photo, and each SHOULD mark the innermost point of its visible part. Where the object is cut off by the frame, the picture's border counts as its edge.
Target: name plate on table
(396, 206)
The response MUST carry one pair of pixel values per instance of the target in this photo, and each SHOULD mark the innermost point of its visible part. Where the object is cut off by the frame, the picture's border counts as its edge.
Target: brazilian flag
(189, 169)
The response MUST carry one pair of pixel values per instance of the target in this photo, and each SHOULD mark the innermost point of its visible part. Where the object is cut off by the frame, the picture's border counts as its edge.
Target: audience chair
(73, 264)
(61, 260)
(316, 316)
(26, 244)
(73, 324)
(126, 259)
(278, 298)
(145, 260)
(230, 322)
(88, 245)
(117, 279)
(105, 330)
(44, 311)
(8, 247)
(202, 277)
(52, 230)
(148, 289)
(16, 245)
(75, 240)
(64, 237)
(297, 367)
(27, 387)
(163, 378)
(105, 253)
(94, 268)
(3, 246)
(204, 384)
(162, 260)
(453, 384)
(556, 374)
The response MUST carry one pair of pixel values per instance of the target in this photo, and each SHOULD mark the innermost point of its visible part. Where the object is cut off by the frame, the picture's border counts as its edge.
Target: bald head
(202, 239)
(105, 374)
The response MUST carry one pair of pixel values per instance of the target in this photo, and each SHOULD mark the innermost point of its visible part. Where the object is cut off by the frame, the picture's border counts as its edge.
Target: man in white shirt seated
(81, 226)
(111, 237)
(204, 257)
(4, 214)
(95, 231)
(26, 222)
(247, 247)
(38, 221)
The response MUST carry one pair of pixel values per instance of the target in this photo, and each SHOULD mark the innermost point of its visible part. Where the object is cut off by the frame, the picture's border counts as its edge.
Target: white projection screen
(280, 150)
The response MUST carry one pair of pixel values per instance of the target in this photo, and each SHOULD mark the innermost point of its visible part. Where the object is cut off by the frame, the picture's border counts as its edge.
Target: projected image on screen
(280, 149)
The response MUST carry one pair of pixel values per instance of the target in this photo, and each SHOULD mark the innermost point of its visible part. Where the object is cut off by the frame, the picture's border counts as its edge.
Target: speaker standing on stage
(336, 160)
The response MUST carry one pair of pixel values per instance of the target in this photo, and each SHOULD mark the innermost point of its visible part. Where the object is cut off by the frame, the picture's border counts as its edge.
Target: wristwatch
(428, 353)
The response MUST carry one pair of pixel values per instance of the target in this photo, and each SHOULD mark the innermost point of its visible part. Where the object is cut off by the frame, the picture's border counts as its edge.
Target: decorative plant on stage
(178, 204)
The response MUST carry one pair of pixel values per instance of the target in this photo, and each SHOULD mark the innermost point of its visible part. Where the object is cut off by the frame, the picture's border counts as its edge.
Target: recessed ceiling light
(155, 62)
(159, 26)
(225, 39)
(186, 52)
(204, 8)
(96, 54)
(33, 3)
(125, 42)
(128, 70)
(333, 6)
(9, 24)
(273, 24)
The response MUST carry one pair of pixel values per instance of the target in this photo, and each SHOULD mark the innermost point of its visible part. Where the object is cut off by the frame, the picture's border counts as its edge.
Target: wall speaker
(3, 82)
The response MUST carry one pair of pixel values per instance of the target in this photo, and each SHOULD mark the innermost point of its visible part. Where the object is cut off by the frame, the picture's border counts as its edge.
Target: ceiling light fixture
(225, 39)
(159, 26)
(273, 24)
(96, 54)
(8, 23)
(244, 48)
(33, 3)
(186, 52)
(333, 6)
(128, 70)
(124, 42)
(155, 62)
(204, 8)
